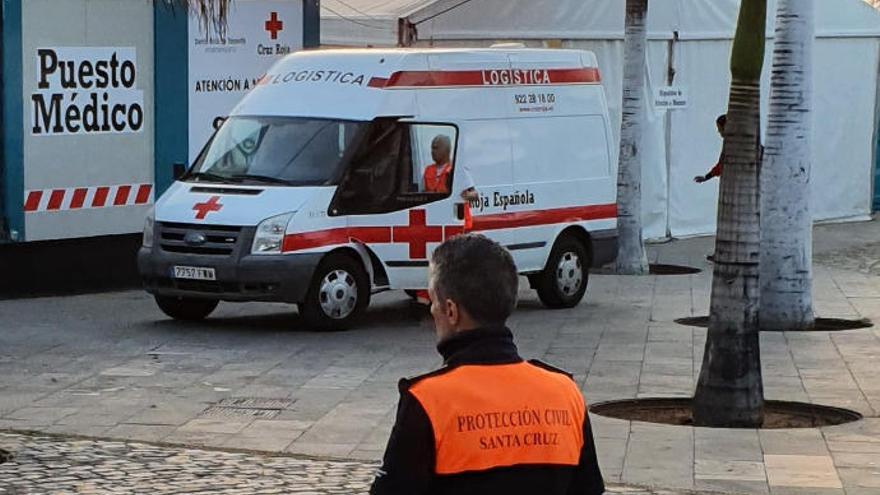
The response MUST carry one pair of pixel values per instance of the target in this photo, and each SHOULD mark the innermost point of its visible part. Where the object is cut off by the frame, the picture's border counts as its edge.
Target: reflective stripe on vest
(492, 416)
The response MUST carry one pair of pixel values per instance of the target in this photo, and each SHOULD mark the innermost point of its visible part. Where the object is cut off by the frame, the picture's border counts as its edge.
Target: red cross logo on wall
(273, 25)
(202, 209)
(418, 234)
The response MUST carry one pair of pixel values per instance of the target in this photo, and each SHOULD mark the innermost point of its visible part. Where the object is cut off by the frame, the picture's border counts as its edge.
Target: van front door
(399, 197)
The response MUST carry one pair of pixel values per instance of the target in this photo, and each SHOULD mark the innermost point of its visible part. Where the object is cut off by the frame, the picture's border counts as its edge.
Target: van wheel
(563, 281)
(339, 293)
(186, 308)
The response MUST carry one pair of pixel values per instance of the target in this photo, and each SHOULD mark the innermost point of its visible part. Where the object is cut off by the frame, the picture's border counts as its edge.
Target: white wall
(87, 160)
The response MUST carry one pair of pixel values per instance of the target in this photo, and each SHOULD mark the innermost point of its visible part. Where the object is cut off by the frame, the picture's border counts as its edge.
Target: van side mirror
(218, 122)
(178, 169)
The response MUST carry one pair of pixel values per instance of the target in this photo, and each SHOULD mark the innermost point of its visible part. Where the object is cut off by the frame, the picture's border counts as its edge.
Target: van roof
(550, 56)
(360, 83)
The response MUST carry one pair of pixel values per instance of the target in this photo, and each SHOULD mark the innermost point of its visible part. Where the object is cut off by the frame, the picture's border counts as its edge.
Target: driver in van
(437, 176)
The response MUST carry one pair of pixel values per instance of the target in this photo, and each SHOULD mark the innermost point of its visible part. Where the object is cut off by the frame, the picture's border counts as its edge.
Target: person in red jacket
(720, 122)
(487, 422)
(716, 170)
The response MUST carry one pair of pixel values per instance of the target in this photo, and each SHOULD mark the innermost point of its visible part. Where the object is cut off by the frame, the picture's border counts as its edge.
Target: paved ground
(53, 465)
(251, 377)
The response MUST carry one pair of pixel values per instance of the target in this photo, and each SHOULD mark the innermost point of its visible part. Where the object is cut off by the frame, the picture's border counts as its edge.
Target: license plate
(194, 273)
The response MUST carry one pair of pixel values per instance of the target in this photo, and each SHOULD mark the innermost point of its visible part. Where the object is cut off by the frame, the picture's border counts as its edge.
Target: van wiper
(209, 177)
(261, 178)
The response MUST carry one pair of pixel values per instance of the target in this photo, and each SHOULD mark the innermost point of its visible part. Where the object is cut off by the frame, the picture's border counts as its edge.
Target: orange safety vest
(489, 416)
(435, 182)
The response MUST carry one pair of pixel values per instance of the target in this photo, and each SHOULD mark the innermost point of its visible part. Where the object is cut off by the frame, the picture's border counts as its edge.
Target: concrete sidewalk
(644, 353)
(68, 365)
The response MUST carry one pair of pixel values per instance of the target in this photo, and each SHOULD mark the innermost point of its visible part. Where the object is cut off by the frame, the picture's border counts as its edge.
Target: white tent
(689, 48)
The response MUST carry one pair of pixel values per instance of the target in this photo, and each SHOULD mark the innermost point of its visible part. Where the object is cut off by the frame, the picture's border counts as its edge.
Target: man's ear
(453, 313)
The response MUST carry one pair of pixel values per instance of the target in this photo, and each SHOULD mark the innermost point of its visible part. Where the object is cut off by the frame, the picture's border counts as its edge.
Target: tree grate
(255, 403)
(253, 407)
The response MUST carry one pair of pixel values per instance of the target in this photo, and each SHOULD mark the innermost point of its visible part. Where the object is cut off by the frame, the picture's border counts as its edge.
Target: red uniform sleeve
(716, 170)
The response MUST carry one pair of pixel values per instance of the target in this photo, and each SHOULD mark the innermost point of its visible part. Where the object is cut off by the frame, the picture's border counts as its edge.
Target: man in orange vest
(437, 177)
(486, 422)
(438, 174)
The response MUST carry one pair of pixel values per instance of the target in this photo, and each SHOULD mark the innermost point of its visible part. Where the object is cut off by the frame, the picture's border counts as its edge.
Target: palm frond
(212, 14)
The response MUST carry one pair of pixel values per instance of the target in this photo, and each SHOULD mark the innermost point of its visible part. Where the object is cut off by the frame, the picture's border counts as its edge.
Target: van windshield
(276, 150)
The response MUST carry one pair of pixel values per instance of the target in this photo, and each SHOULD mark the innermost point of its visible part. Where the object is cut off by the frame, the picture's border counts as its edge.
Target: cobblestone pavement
(59, 466)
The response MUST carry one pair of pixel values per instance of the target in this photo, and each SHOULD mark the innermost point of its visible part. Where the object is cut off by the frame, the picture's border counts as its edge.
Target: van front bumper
(271, 278)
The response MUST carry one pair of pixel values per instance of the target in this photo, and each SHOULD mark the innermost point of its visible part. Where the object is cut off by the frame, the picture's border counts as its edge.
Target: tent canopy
(375, 22)
(689, 48)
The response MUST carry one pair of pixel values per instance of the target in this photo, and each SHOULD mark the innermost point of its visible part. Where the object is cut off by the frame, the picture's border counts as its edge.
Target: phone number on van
(534, 98)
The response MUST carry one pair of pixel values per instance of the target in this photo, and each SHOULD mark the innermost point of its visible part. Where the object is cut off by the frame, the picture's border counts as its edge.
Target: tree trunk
(730, 391)
(786, 218)
(631, 257)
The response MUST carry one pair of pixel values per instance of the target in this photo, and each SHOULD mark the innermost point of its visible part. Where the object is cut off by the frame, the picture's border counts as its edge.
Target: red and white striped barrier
(80, 198)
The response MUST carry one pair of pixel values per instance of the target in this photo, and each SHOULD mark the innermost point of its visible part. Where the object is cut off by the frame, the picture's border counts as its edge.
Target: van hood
(229, 204)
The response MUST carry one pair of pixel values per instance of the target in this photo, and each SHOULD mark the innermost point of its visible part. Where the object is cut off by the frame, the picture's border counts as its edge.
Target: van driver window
(397, 165)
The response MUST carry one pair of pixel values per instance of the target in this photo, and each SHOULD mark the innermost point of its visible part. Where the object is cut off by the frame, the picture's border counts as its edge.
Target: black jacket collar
(488, 345)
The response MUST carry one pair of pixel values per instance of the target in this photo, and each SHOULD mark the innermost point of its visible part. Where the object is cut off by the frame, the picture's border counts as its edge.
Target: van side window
(397, 166)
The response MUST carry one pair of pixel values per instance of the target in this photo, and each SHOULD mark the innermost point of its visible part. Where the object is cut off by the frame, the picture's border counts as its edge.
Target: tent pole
(875, 149)
(406, 32)
(667, 124)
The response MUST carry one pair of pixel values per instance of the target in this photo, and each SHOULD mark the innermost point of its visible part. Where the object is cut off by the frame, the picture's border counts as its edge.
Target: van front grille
(214, 240)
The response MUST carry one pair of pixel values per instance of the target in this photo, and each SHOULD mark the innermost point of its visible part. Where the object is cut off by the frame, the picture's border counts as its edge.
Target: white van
(321, 187)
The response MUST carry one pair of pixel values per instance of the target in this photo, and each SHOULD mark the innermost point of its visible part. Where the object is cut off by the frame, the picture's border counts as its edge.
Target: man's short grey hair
(479, 275)
(442, 138)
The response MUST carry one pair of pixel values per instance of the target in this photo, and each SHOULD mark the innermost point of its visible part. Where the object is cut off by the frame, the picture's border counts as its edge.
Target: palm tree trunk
(730, 392)
(786, 218)
(631, 257)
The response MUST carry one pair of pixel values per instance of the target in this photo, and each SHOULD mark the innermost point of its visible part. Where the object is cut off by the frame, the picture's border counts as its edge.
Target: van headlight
(149, 228)
(270, 234)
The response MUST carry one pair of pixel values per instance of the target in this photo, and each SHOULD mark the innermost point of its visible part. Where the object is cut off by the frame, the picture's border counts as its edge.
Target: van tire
(186, 308)
(340, 285)
(563, 282)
